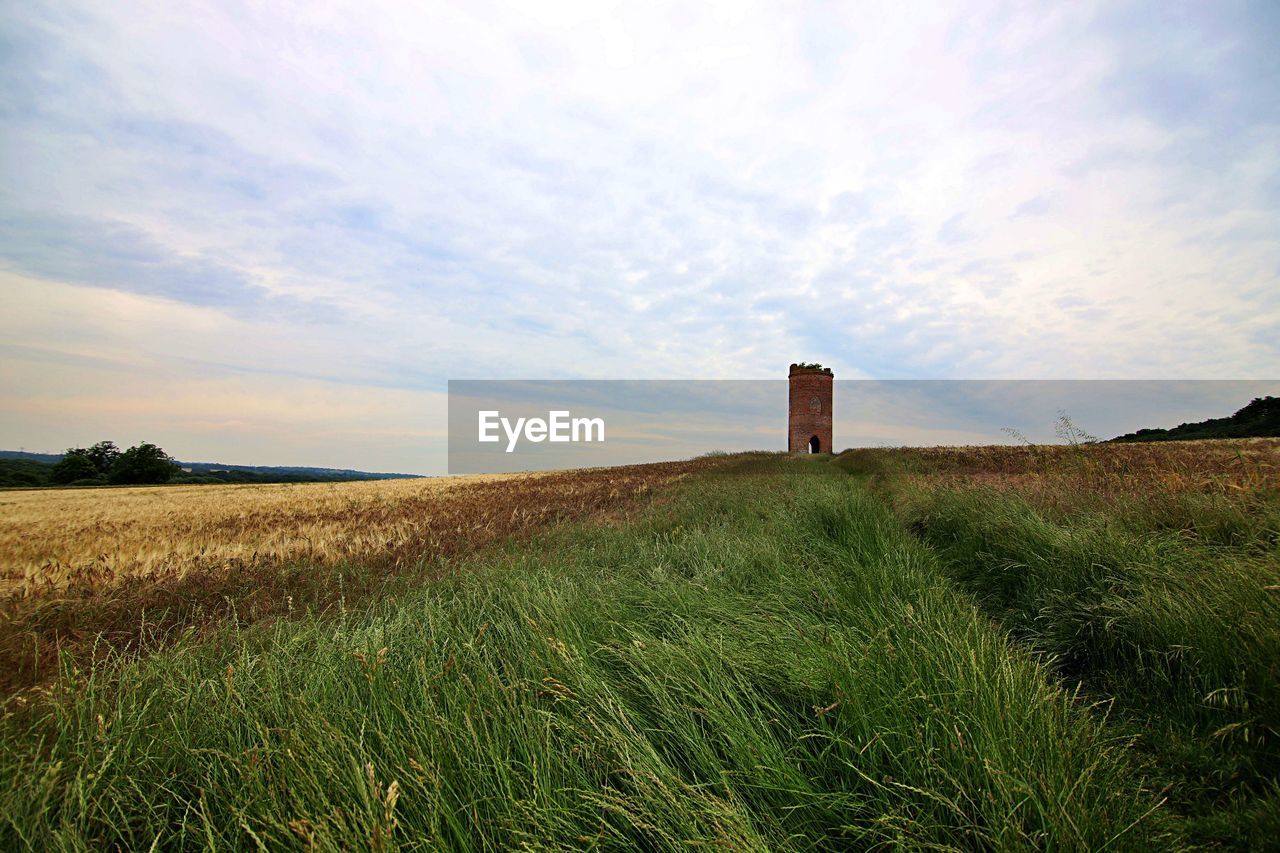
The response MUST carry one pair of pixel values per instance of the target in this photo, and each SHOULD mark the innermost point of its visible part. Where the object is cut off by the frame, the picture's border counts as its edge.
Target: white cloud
(391, 194)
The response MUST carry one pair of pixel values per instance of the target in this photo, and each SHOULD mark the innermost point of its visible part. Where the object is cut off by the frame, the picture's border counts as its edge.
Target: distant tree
(103, 455)
(143, 464)
(24, 472)
(74, 465)
(1259, 419)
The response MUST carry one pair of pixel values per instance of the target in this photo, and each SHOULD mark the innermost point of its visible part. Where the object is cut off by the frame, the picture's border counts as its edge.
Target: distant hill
(46, 458)
(286, 470)
(1259, 419)
(19, 468)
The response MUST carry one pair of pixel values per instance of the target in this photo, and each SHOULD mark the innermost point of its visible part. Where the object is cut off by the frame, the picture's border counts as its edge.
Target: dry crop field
(1066, 475)
(53, 538)
(74, 562)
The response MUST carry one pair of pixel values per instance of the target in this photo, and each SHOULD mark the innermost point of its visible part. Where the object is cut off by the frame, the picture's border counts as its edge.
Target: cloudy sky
(269, 233)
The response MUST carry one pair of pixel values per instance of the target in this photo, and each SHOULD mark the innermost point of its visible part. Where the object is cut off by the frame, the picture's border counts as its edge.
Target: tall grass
(765, 660)
(1164, 598)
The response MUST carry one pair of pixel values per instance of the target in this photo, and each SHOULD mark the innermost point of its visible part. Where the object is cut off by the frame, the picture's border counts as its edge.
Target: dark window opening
(814, 445)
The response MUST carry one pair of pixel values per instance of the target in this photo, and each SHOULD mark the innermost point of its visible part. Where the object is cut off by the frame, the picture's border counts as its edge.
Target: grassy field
(974, 649)
(1147, 574)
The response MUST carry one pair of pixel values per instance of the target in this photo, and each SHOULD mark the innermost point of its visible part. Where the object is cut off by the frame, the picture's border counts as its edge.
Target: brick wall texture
(809, 409)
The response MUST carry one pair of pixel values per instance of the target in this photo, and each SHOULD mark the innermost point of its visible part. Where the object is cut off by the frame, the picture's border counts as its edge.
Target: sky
(271, 233)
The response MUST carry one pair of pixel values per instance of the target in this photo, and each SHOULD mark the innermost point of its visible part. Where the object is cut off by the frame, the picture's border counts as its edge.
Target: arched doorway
(815, 446)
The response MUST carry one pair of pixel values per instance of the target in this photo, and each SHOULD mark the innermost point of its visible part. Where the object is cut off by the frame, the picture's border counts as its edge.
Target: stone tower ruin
(809, 409)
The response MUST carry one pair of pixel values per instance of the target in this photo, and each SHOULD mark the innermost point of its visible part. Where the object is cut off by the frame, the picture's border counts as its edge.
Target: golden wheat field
(54, 537)
(46, 535)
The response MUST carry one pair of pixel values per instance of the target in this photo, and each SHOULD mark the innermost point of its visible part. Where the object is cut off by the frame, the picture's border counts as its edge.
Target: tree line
(1259, 419)
(104, 463)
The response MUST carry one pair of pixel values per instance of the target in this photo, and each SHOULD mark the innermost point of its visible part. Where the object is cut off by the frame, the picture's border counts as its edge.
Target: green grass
(766, 658)
(1168, 605)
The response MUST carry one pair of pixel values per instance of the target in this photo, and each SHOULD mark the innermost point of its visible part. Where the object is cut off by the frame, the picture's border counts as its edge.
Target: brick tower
(809, 410)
